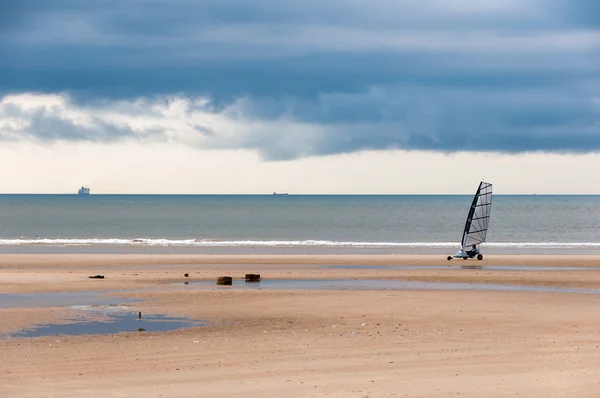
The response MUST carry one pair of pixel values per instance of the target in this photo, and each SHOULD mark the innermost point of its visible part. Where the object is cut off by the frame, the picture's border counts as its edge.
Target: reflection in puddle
(387, 266)
(109, 320)
(380, 284)
(534, 268)
(473, 266)
(28, 300)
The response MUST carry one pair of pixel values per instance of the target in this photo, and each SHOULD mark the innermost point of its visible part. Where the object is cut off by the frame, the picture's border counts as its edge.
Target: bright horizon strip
(133, 168)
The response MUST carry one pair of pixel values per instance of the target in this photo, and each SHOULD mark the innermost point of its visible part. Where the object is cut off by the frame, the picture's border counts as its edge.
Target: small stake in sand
(186, 275)
(224, 280)
(140, 315)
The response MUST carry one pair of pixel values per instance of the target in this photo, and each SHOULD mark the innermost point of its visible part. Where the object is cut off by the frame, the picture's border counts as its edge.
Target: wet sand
(325, 343)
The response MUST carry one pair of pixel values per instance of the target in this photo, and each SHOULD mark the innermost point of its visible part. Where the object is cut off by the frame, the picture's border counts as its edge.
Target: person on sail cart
(466, 254)
(473, 252)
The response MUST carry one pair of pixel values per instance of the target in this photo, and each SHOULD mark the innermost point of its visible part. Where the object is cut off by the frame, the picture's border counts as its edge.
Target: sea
(293, 224)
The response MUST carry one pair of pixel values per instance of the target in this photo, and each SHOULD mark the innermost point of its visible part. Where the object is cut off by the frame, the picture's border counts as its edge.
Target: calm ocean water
(292, 224)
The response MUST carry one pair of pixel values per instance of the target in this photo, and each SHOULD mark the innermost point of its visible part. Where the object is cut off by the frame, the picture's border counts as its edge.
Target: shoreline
(69, 272)
(12, 259)
(416, 248)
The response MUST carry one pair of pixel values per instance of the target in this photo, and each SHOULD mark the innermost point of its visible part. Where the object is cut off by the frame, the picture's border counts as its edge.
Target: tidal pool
(108, 320)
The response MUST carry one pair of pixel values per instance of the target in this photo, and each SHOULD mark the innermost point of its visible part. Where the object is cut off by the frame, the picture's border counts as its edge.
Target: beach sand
(309, 343)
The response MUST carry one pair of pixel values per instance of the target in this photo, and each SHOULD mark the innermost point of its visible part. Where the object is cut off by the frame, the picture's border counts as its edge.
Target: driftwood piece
(96, 277)
(225, 280)
(252, 278)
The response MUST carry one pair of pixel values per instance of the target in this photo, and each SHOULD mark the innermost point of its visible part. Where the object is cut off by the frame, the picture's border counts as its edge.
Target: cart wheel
(480, 257)
(465, 258)
(449, 258)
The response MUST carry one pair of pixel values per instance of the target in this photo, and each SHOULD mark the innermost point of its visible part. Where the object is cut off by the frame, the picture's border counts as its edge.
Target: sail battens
(475, 231)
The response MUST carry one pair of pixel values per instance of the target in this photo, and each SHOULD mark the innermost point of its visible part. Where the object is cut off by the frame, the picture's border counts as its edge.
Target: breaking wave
(271, 243)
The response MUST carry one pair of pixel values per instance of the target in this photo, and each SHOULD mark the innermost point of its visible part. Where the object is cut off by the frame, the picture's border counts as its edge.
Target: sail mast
(470, 215)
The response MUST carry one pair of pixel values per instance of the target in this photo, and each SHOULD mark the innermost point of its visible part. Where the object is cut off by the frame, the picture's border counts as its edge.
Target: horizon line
(293, 194)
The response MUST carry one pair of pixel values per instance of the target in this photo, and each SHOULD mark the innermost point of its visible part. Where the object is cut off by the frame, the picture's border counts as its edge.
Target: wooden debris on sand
(252, 278)
(224, 280)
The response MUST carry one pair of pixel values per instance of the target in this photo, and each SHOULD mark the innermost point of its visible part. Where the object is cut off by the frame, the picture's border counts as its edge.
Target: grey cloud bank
(292, 79)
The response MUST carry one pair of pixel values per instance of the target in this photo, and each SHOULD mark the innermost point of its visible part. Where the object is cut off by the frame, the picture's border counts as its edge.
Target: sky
(301, 96)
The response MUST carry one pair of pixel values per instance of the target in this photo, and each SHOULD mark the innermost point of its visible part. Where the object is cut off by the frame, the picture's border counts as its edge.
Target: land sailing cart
(477, 223)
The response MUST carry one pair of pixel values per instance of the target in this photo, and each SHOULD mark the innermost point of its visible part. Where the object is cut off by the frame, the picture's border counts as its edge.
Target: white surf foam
(274, 243)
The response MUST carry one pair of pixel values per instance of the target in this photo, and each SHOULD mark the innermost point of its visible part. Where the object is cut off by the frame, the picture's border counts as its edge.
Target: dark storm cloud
(497, 75)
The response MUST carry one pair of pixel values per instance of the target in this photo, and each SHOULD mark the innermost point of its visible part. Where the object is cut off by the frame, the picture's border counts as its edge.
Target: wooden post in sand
(139, 315)
(224, 280)
(252, 278)
(186, 275)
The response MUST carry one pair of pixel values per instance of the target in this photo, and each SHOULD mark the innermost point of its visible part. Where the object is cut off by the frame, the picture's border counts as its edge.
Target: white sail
(479, 216)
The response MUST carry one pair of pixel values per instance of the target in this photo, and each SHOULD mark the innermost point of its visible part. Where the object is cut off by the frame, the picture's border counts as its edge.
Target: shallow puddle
(109, 320)
(469, 266)
(62, 299)
(528, 268)
(407, 267)
(381, 284)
